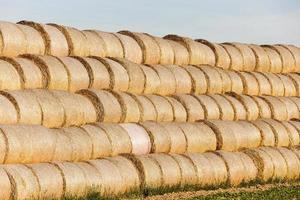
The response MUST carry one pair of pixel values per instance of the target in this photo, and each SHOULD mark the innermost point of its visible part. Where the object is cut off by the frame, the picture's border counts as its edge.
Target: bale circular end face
(235, 56)
(95, 44)
(199, 83)
(166, 50)
(181, 54)
(262, 58)
(276, 65)
(167, 80)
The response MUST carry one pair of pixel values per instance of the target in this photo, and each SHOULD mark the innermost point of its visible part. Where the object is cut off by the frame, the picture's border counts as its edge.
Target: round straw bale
(63, 148)
(265, 87)
(295, 51)
(293, 133)
(107, 106)
(87, 108)
(110, 185)
(225, 107)
(25, 184)
(250, 105)
(129, 173)
(152, 80)
(251, 85)
(193, 107)
(139, 137)
(236, 82)
(147, 108)
(213, 79)
(291, 108)
(180, 114)
(150, 49)
(51, 182)
(264, 108)
(163, 108)
(288, 60)
(276, 65)
(262, 58)
(292, 162)
(4, 147)
(118, 137)
(238, 108)
(55, 42)
(248, 56)
(226, 80)
(281, 133)
(95, 44)
(181, 54)
(92, 176)
(199, 83)
(296, 124)
(101, 143)
(222, 57)
(77, 73)
(289, 87)
(296, 80)
(113, 45)
(276, 83)
(159, 137)
(13, 39)
(6, 186)
(251, 170)
(253, 134)
(131, 49)
(10, 79)
(235, 56)
(278, 108)
(8, 110)
(167, 80)
(210, 107)
(166, 50)
(207, 135)
(177, 137)
(183, 79)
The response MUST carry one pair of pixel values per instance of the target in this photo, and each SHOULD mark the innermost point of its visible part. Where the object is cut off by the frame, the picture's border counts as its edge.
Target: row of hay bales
(76, 73)
(54, 108)
(148, 172)
(33, 143)
(58, 40)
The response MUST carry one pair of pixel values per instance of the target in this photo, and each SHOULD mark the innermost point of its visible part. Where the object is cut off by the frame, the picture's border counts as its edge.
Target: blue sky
(252, 21)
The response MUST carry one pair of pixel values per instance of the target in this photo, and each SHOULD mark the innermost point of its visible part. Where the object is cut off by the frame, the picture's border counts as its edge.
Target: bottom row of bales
(129, 173)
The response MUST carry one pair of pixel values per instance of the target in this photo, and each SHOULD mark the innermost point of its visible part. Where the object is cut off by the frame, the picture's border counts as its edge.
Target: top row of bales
(28, 37)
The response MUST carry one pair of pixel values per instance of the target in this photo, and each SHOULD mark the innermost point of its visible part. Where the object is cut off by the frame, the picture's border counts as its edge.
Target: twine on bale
(251, 85)
(167, 80)
(265, 87)
(182, 78)
(264, 108)
(95, 44)
(210, 107)
(199, 83)
(276, 65)
(181, 54)
(249, 60)
(262, 58)
(166, 50)
(235, 57)
(163, 108)
(177, 137)
(10, 78)
(179, 112)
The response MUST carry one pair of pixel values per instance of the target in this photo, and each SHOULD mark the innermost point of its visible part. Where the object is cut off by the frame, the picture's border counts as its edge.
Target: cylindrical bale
(238, 131)
(81, 143)
(55, 42)
(180, 114)
(147, 108)
(267, 134)
(292, 162)
(150, 49)
(129, 173)
(5, 184)
(163, 108)
(275, 60)
(210, 106)
(102, 146)
(288, 84)
(238, 108)
(26, 105)
(235, 56)
(107, 106)
(198, 53)
(262, 58)
(177, 137)
(250, 105)
(236, 82)
(113, 45)
(95, 44)
(251, 85)
(181, 54)
(63, 149)
(221, 55)
(251, 170)
(183, 79)
(10, 78)
(213, 79)
(159, 137)
(25, 184)
(276, 83)
(296, 125)
(253, 134)
(152, 80)
(293, 133)
(199, 83)
(193, 107)
(50, 180)
(264, 108)
(265, 87)
(166, 50)
(131, 49)
(87, 108)
(167, 80)
(92, 176)
(118, 137)
(8, 110)
(249, 58)
(139, 137)
(34, 40)
(291, 108)
(282, 138)
(225, 107)
(226, 80)
(288, 60)
(295, 51)
(278, 108)
(296, 80)
(208, 136)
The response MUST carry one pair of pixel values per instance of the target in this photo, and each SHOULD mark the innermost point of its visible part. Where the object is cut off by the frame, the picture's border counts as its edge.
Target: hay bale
(251, 85)
(118, 137)
(277, 86)
(248, 55)
(150, 49)
(213, 79)
(251, 170)
(198, 53)
(209, 136)
(147, 108)
(265, 87)
(92, 176)
(87, 108)
(288, 60)
(177, 137)
(193, 107)
(55, 42)
(226, 80)
(181, 54)
(252, 134)
(238, 108)
(288, 84)
(278, 108)
(250, 105)
(180, 114)
(182, 78)
(264, 108)
(275, 60)
(131, 49)
(236, 57)
(293, 133)
(10, 79)
(152, 80)
(4, 147)
(101, 144)
(8, 111)
(5, 185)
(199, 83)
(210, 106)
(296, 124)
(236, 82)
(295, 51)
(63, 149)
(221, 55)
(139, 137)
(166, 50)
(167, 80)
(291, 108)
(296, 80)
(262, 58)
(163, 108)
(94, 44)
(292, 162)
(226, 109)
(281, 134)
